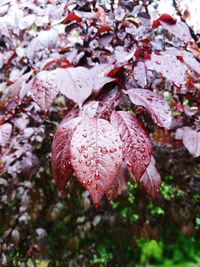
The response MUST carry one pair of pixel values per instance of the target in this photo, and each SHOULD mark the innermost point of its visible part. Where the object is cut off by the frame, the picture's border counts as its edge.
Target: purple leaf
(96, 156)
(75, 83)
(179, 30)
(61, 166)
(151, 179)
(169, 66)
(119, 184)
(191, 139)
(188, 58)
(137, 145)
(43, 89)
(156, 106)
(140, 74)
(5, 133)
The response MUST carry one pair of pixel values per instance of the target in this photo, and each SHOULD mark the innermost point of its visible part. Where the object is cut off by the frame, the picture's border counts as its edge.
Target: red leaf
(71, 17)
(137, 145)
(156, 23)
(103, 29)
(167, 19)
(96, 155)
(151, 179)
(191, 139)
(5, 133)
(156, 106)
(57, 62)
(61, 167)
(119, 184)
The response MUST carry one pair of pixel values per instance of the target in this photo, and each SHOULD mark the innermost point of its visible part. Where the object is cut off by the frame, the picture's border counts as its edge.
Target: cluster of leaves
(118, 87)
(97, 60)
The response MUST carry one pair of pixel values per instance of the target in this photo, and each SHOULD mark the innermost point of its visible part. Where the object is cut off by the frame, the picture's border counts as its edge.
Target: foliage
(109, 94)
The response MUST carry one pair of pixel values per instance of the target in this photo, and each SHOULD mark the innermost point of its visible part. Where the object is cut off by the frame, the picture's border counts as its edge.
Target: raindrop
(80, 161)
(117, 165)
(112, 150)
(88, 163)
(104, 150)
(89, 182)
(84, 135)
(85, 156)
(84, 182)
(129, 164)
(96, 175)
(84, 172)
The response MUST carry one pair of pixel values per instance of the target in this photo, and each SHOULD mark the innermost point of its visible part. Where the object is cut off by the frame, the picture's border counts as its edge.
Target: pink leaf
(169, 66)
(43, 89)
(61, 166)
(156, 106)
(140, 74)
(151, 179)
(5, 133)
(96, 155)
(137, 145)
(119, 184)
(191, 139)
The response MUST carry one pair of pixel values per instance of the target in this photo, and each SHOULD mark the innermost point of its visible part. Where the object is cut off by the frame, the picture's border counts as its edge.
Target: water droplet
(84, 135)
(104, 150)
(80, 161)
(85, 156)
(88, 163)
(82, 146)
(112, 150)
(74, 158)
(117, 165)
(84, 182)
(89, 182)
(84, 172)
(96, 175)
(97, 161)
(143, 157)
(96, 187)
(129, 164)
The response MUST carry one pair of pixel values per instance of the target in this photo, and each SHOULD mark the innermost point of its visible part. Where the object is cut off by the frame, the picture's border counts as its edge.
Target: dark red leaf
(151, 179)
(137, 145)
(71, 17)
(61, 167)
(96, 156)
(167, 19)
(119, 184)
(103, 29)
(156, 106)
(58, 62)
(5, 133)
(191, 139)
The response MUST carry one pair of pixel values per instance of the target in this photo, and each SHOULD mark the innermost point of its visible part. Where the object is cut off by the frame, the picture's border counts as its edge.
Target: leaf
(140, 74)
(43, 89)
(96, 156)
(75, 83)
(151, 179)
(119, 184)
(179, 30)
(155, 105)
(169, 66)
(5, 133)
(191, 139)
(61, 167)
(188, 58)
(137, 145)
(167, 19)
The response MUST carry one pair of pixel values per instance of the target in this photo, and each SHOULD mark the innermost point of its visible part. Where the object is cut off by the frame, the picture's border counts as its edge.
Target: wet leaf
(156, 106)
(96, 156)
(137, 145)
